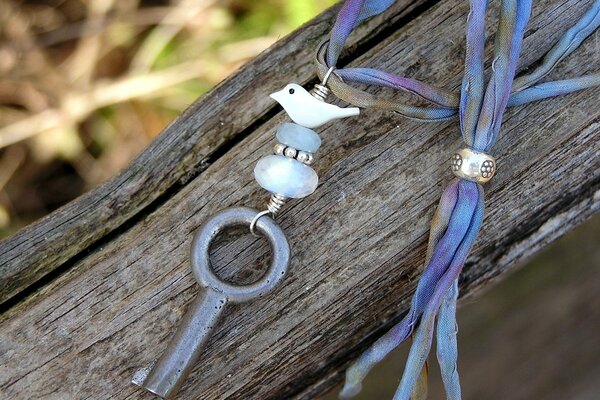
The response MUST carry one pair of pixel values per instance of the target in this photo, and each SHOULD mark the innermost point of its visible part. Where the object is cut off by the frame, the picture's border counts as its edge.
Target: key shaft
(175, 364)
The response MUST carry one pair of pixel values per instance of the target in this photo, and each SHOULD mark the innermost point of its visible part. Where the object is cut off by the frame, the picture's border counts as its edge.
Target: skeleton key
(166, 376)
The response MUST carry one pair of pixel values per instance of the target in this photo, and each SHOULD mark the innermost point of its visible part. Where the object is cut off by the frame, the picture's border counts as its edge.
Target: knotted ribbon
(445, 103)
(459, 215)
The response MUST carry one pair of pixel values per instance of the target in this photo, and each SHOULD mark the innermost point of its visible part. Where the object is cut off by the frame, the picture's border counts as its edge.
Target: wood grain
(533, 336)
(202, 134)
(358, 242)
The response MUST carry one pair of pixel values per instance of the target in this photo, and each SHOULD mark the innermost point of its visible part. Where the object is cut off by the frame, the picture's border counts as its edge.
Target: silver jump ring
(255, 220)
(200, 255)
(327, 75)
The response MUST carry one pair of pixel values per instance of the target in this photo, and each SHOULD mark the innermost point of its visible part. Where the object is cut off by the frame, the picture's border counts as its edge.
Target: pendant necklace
(287, 174)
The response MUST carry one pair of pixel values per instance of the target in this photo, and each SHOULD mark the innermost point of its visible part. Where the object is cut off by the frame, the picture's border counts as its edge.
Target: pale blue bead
(298, 137)
(285, 176)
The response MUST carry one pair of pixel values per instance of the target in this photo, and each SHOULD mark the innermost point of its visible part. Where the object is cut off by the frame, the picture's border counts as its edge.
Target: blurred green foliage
(147, 60)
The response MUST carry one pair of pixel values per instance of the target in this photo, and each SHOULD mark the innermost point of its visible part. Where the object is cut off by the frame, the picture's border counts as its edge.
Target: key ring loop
(203, 238)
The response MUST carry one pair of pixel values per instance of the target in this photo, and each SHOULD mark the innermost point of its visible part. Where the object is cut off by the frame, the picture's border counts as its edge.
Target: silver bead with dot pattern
(473, 165)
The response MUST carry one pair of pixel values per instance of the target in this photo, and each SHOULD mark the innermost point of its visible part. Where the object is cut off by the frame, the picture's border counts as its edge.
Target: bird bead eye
(292, 91)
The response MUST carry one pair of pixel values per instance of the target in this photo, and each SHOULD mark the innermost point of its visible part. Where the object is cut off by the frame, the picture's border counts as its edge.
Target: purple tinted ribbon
(447, 344)
(460, 212)
(445, 103)
(352, 13)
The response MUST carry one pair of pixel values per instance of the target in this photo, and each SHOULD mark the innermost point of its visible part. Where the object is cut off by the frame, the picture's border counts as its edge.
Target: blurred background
(85, 85)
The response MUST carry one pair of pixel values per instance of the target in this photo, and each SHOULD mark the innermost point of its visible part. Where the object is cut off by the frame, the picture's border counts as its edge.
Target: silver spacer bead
(279, 148)
(290, 152)
(320, 91)
(304, 157)
(473, 165)
(276, 203)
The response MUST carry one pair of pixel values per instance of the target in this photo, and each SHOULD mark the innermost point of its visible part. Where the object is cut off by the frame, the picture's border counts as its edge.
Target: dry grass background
(85, 85)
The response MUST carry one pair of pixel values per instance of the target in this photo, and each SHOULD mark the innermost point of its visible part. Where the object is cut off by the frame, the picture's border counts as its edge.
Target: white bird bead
(306, 110)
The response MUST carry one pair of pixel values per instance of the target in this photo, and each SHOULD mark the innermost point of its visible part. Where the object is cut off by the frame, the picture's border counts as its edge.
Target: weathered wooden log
(94, 291)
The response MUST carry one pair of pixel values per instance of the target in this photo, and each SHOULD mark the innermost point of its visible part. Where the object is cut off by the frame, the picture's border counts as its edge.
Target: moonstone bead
(285, 176)
(298, 137)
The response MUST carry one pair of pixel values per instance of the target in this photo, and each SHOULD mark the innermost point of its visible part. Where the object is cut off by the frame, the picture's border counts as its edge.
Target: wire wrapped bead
(473, 165)
(285, 176)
